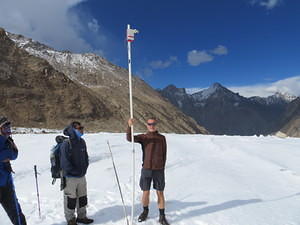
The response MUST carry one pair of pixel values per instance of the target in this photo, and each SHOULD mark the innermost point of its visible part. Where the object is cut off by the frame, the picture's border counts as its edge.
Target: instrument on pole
(130, 38)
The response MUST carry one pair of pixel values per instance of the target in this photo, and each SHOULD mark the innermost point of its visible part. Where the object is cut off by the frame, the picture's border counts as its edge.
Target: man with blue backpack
(74, 162)
(8, 152)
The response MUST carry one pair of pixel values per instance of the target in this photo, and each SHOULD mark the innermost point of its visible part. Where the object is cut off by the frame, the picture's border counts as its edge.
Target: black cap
(4, 121)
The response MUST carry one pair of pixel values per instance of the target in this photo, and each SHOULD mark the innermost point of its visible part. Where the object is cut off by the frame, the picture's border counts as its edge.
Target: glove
(62, 183)
(12, 144)
(7, 167)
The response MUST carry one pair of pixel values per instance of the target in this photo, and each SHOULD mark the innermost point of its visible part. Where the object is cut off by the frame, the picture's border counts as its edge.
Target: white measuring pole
(132, 135)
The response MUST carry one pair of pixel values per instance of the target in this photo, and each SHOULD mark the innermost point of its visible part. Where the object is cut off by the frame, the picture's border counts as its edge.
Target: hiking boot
(84, 220)
(143, 216)
(163, 220)
(72, 222)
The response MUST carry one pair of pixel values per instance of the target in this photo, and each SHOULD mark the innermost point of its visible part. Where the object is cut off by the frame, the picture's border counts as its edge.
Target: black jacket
(74, 159)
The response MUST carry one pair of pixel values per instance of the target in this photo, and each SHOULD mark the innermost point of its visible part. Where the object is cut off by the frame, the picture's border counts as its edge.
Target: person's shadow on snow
(116, 213)
(110, 214)
(62, 223)
(212, 208)
(219, 207)
(177, 210)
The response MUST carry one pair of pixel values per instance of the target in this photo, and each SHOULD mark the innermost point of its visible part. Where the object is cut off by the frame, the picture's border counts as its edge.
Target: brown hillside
(43, 93)
(291, 119)
(33, 94)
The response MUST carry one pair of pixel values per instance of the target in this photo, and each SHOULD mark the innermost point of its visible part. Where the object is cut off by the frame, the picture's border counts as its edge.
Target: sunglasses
(151, 124)
(80, 128)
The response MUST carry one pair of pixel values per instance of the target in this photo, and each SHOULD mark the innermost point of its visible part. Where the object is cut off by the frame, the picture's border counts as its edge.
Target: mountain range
(222, 111)
(45, 88)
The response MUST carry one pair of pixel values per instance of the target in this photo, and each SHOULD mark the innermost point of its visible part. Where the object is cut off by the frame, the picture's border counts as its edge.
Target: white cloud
(52, 22)
(160, 64)
(93, 25)
(289, 85)
(196, 58)
(220, 50)
(268, 4)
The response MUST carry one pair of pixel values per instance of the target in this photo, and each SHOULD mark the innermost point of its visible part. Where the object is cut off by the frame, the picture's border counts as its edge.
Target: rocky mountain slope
(290, 123)
(34, 94)
(222, 111)
(48, 88)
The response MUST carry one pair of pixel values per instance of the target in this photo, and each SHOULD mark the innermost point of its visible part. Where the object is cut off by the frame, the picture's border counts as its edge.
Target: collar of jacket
(152, 133)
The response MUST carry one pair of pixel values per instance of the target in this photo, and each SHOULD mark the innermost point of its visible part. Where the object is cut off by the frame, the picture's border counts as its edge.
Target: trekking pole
(130, 38)
(16, 200)
(37, 189)
(117, 178)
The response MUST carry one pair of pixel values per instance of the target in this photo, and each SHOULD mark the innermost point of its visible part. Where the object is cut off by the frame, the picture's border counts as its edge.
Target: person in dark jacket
(74, 162)
(8, 152)
(154, 160)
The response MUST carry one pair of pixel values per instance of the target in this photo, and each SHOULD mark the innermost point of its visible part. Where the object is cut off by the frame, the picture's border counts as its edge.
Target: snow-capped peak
(89, 62)
(277, 98)
(215, 86)
(286, 96)
(216, 90)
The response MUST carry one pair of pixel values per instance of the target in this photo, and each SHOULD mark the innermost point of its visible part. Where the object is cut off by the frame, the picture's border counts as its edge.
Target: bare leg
(146, 198)
(160, 199)
(161, 206)
(145, 202)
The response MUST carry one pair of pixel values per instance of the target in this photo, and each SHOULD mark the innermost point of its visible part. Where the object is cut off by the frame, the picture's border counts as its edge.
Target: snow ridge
(277, 98)
(201, 94)
(89, 62)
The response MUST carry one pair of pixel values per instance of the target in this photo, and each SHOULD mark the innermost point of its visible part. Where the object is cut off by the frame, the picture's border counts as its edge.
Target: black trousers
(10, 203)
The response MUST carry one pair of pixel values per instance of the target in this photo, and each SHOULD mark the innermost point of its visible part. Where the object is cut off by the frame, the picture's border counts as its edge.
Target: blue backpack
(56, 171)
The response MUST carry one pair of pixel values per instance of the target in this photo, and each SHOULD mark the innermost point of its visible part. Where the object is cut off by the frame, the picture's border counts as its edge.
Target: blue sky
(239, 43)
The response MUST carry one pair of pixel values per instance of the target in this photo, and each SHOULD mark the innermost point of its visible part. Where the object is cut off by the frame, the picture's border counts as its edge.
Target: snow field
(210, 180)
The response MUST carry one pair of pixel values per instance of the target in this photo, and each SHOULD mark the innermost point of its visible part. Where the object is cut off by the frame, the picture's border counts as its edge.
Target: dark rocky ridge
(222, 111)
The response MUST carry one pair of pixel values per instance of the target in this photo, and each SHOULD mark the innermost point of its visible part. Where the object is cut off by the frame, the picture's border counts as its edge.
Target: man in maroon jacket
(154, 160)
